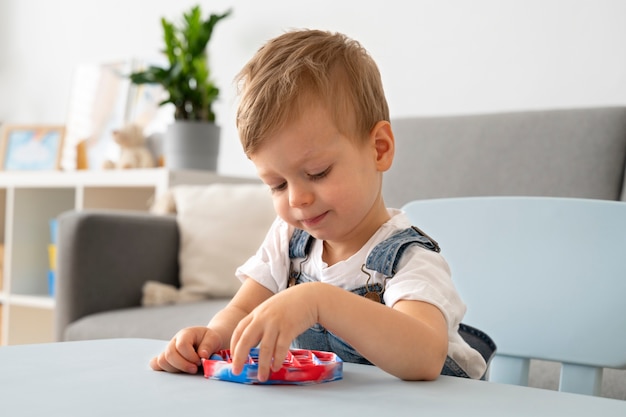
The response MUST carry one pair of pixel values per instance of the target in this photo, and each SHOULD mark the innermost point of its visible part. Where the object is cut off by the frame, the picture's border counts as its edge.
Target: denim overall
(383, 258)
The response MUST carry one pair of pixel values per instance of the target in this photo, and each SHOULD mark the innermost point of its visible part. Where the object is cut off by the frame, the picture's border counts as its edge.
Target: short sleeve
(270, 265)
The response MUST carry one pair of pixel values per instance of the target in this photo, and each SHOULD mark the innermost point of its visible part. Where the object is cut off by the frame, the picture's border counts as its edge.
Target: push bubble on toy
(300, 367)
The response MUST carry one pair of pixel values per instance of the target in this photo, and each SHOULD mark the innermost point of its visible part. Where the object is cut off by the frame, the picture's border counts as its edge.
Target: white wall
(436, 56)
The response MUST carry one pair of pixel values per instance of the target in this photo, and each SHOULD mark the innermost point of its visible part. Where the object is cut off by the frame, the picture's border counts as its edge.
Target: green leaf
(187, 78)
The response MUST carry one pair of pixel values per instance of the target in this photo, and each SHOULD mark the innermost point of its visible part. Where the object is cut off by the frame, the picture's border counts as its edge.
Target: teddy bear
(134, 152)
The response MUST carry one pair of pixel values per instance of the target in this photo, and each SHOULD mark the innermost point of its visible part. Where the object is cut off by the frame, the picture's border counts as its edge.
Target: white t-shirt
(421, 275)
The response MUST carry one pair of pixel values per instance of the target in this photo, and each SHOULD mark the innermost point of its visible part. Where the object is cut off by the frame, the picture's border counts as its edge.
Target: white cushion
(221, 226)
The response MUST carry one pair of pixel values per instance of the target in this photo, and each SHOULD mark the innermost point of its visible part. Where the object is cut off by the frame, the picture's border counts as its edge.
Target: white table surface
(112, 378)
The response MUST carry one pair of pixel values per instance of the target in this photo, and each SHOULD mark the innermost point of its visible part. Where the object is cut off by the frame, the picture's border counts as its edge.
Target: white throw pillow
(221, 226)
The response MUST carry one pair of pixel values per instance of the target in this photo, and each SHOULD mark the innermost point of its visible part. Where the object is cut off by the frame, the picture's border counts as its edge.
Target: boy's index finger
(265, 361)
(235, 352)
(239, 357)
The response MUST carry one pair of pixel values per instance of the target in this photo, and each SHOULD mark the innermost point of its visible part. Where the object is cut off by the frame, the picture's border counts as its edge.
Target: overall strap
(383, 258)
(300, 244)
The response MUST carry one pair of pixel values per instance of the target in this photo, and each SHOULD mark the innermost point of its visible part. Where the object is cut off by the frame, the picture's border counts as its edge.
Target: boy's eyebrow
(269, 173)
(264, 172)
(264, 175)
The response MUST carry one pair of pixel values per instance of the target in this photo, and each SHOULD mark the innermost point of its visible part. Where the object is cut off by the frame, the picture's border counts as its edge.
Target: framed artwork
(31, 147)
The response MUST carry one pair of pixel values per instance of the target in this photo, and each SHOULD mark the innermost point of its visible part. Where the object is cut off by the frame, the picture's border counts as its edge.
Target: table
(112, 378)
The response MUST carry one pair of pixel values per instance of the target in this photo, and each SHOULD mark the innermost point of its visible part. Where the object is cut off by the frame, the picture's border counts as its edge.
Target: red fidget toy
(300, 367)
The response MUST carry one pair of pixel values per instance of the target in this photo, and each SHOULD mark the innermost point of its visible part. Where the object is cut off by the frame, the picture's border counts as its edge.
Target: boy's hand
(274, 324)
(184, 351)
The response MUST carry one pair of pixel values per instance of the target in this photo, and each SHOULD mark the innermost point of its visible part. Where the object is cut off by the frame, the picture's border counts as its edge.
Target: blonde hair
(293, 69)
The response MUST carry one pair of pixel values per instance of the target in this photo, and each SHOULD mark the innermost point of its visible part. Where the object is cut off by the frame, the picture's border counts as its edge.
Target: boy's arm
(409, 340)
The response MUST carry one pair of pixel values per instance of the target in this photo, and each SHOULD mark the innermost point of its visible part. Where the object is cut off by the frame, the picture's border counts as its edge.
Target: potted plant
(192, 141)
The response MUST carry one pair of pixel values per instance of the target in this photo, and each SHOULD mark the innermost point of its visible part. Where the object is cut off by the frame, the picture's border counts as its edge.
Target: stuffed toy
(134, 152)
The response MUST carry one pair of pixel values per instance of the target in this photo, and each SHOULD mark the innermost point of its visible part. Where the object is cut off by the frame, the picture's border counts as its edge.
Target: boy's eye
(279, 187)
(320, 175)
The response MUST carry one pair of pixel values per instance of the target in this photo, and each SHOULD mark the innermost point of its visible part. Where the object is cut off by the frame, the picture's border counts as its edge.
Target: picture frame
(31, 147)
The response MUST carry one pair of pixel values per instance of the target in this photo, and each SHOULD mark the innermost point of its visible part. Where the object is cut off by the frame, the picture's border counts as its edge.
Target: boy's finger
(210, 343)
(165, 362)
(154, 364)
(280, 354)
(239, 349)
(187, 351)
(266, 357)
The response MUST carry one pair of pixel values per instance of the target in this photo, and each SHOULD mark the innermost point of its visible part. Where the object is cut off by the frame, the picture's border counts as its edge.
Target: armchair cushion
(220, 227)
(149, 322)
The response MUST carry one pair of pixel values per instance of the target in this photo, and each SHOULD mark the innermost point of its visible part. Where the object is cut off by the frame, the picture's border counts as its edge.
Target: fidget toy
(300, 367)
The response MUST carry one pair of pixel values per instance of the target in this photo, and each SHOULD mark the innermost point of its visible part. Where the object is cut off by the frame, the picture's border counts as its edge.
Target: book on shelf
(52, 257)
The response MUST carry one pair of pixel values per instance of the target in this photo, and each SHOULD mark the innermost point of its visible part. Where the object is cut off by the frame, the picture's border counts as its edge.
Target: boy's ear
(384, 143)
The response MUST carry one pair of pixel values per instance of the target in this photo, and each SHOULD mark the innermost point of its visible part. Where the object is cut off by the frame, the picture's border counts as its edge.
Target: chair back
(545, 277)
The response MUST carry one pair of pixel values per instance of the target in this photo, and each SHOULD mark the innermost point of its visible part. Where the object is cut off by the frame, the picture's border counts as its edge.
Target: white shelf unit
(29, 200)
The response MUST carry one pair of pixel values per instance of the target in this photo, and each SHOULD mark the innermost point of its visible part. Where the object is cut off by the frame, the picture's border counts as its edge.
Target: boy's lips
(312, 221)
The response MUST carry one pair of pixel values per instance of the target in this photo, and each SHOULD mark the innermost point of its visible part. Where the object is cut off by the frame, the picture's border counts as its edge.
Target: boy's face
(322, 181)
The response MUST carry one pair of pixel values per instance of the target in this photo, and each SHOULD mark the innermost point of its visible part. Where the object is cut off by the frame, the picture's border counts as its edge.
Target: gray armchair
(105, 257)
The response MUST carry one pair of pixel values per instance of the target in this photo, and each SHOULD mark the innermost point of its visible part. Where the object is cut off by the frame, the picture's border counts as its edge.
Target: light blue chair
(544, 277)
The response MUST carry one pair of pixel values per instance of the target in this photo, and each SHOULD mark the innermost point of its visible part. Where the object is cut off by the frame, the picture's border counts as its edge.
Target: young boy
(314, 120)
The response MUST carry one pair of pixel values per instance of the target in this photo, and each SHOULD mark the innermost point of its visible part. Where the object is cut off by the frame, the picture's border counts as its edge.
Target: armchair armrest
(105, 257)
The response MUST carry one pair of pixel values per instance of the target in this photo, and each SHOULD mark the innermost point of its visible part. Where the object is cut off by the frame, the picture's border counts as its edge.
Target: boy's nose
(299, 196)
